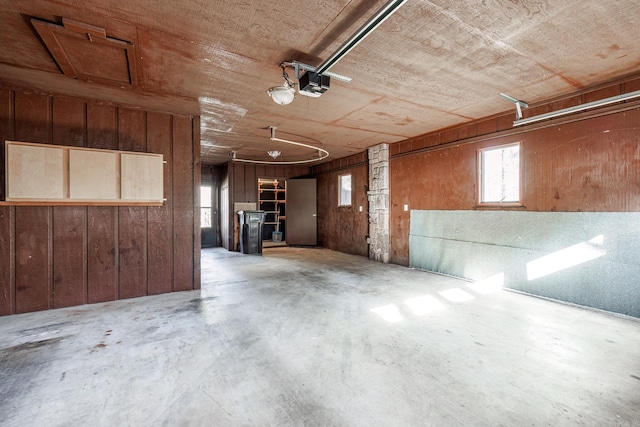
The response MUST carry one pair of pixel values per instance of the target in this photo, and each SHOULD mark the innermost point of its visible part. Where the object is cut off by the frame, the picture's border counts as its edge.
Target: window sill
(500, 206)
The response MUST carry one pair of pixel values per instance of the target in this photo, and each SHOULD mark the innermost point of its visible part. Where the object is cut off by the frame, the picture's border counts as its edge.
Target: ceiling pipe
(386, 11)
(322, 153)
(575, 109)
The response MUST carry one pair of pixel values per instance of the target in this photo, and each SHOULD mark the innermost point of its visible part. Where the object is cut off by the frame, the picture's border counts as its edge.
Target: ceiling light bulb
(282, 95)
(273, 153)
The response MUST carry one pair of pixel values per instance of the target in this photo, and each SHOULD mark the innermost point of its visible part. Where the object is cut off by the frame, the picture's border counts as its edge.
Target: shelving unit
(272, 198)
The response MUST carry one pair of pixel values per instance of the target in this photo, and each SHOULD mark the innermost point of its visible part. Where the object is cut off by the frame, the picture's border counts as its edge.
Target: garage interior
(425, 286)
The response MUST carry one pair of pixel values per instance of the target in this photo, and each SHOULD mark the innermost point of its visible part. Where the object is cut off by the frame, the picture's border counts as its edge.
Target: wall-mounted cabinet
(40, 174)
(272, 198)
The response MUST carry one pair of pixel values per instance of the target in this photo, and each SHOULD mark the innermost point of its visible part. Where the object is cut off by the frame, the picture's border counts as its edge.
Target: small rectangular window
(205, 207)
(344, 190)
(499, 175)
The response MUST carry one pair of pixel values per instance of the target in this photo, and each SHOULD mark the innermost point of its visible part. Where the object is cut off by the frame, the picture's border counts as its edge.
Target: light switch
(360, 208)
(406, 208)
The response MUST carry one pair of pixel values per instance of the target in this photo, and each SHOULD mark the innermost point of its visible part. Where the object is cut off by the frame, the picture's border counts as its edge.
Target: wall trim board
(586, 258)
(343, 163)
(341, 168)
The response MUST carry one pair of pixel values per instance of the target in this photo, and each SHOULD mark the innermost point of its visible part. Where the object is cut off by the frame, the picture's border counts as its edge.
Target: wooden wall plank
(7, 213)
(69, 254)
(270, 171)
(183, 182)
(239, 194)
(132, 251)
(102, 229)
(6, 130)
(33, 291)
(101, 254)
(33, 254)
(7, 251)
(69, 222)
(250, 184)
(132, 220)
(102, 126)
(197, 243)
(69, 122)
(160, 242)
(32, 122)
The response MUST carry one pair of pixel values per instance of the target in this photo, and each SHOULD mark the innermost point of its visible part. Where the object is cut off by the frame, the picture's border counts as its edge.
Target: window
(499, 175)
(344, 190)
(205, 207)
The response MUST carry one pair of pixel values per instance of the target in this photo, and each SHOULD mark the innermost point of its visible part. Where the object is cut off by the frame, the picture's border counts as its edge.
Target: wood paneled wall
(587, 165)
(343, 229)
(64, 256)
(240, 182)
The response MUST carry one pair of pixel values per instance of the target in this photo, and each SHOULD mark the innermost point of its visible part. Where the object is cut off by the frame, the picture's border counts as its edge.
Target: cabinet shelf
(272, 200)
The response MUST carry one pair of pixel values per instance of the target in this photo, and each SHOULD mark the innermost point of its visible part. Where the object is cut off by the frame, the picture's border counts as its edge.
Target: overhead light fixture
(274, 153)
(282, 95)
(285, 93)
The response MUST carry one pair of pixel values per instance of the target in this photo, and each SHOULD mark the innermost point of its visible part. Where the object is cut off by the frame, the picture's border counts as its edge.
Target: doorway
(207, 224)
(209, 207)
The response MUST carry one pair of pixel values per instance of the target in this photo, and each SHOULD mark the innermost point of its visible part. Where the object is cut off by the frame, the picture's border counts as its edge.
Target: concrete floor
(314, 337)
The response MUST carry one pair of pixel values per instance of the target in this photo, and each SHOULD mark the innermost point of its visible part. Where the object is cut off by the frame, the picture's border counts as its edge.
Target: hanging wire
(286, 78)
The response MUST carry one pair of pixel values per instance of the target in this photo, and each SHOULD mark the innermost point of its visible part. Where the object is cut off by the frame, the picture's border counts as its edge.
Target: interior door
(302, 218)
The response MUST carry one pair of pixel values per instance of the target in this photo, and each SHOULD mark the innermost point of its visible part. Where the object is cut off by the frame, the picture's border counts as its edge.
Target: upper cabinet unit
(41, 174)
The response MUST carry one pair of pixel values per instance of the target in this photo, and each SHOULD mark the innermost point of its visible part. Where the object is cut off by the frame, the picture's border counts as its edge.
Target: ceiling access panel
(85, 52)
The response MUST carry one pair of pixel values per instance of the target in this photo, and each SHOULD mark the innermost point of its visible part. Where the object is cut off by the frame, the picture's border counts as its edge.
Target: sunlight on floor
(390, 313)
(543, 266)
(456, 295)
(489, 285)
(424, 304)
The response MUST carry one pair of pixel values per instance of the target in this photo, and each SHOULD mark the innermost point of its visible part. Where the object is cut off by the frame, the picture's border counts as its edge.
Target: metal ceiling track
(565, 111)
(380, 16)
(322, 153)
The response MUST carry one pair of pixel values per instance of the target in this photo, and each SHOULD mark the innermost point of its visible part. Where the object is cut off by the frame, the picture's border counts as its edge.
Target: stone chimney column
(378, 195)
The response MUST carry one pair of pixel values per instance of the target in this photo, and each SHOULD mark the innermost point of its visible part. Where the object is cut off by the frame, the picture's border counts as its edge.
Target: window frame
(340, 205)
(204, 208)
(479, 177)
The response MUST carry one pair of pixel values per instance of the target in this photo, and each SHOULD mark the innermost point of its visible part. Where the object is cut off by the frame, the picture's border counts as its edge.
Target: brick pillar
(378, 195)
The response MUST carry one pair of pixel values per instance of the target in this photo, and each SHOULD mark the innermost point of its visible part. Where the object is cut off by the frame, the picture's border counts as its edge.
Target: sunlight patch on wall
(566, 258)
